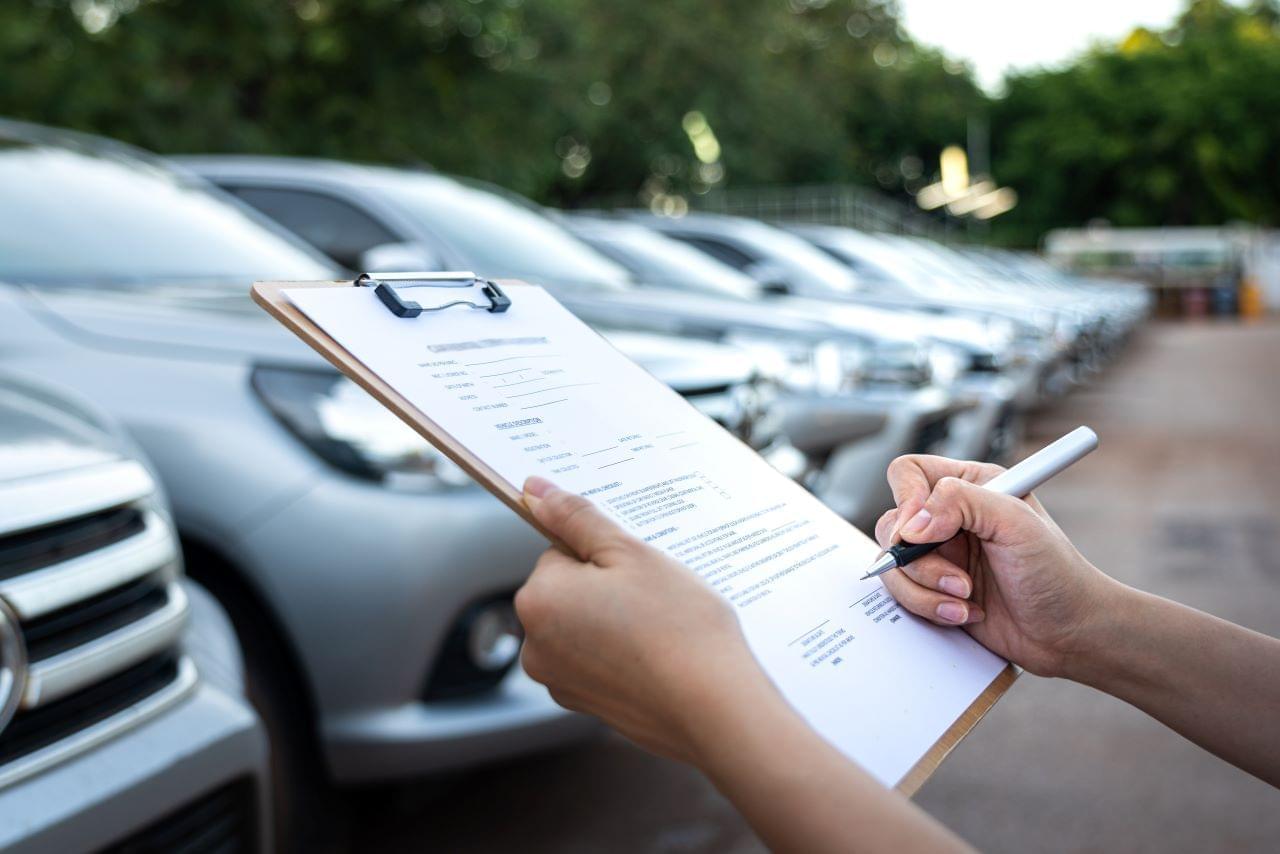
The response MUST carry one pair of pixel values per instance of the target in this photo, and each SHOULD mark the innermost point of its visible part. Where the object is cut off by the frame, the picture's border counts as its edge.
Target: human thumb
(573, 519)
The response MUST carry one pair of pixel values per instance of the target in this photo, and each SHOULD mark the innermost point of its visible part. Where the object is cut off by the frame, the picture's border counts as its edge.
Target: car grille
(62, 541)
(222, 822)
(929, 434)
(90, 572)
(727, 405)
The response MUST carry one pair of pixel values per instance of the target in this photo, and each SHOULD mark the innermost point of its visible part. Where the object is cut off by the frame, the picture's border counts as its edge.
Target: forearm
(1214, 682)
(798, 793)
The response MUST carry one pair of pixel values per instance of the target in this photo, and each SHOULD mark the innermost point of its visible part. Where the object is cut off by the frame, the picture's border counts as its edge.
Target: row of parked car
(151, 418)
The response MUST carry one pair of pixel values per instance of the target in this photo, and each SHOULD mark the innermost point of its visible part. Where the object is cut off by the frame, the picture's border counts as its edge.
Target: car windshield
(498, 238)
(658, 260)
(71, 214)
(803, 258)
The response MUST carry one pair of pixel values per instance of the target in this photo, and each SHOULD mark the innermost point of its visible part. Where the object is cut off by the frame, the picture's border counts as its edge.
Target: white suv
(122, 719)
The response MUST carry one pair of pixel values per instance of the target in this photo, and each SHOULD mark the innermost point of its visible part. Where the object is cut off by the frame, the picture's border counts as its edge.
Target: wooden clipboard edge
(270, 297)
(923, 770)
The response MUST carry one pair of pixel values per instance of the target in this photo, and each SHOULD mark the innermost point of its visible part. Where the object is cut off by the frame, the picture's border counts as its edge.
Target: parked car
(393, 219)
(123, 722)
(893, 271)
(370, 578)
(971, 358)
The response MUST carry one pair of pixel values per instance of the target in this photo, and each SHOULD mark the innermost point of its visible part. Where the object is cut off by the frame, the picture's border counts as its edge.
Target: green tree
(1179, 127)
(563, 100)
(452, 82)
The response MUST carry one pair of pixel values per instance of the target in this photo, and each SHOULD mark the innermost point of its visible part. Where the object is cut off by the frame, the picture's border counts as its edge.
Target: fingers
(886, 526)
(956, 505)
(912, 478)
(574, 519)
(913, 475)
(932, 605)
(538, 596)
(937, 573)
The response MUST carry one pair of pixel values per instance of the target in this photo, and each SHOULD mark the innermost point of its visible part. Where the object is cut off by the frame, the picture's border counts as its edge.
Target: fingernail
(918, 522)
(538, 487)
(953, 612)
(955, 585)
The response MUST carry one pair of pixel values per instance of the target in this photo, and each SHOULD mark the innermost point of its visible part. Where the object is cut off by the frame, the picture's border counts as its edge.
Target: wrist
(1094, 655)
(727, 716)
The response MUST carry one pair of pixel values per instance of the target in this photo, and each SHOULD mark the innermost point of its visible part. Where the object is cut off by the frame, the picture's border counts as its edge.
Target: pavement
(1181, 499)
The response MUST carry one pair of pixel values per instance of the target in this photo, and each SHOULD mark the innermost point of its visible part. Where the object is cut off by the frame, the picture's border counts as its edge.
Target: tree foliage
(1180, 127)
(572, 100)
(558, 99)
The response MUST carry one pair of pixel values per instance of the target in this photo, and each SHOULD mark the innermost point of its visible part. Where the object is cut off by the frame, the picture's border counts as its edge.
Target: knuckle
(902, 464)
(532, 663)
(563, 700)
(526, 606)
(902, 588)
(576, 511)
(562, 504)
(988, 471)
(884, 525)
(948, 488)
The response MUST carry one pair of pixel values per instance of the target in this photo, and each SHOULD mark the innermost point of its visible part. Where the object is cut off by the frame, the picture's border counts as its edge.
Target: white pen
(1017, 481)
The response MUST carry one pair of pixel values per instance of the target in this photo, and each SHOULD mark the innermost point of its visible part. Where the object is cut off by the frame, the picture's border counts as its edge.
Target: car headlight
(827, 367)
(351, 431)
(898, 363)
(1001, 333)
(946, 364)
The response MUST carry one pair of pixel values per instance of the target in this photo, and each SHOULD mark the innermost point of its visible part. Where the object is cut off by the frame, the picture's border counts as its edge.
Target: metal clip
(385, 286)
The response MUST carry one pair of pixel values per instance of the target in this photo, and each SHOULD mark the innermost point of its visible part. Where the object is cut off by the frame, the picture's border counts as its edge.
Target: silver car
(856, 398)
(123, 723)
(971, 358)
(370, 578)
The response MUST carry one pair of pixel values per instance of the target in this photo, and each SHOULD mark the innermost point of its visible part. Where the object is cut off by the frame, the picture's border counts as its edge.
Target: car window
(335, 227)
(656, 259)
(498, 238)
(74, 214)
(723, 252)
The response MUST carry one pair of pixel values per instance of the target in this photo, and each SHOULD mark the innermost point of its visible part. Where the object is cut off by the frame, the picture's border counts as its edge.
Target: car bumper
(990, 428)
(419, 738)
(369, 583)
(853, 483)
(182, 756)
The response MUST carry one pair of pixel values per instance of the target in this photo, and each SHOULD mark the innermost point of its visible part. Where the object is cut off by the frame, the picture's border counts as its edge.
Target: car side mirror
(409, 257)
(771, 278)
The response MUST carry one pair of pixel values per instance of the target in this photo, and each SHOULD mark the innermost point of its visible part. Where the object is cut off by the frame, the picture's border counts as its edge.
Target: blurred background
(844, 229)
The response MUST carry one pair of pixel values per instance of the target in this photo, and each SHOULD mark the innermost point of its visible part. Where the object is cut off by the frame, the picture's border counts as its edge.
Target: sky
(996, 35)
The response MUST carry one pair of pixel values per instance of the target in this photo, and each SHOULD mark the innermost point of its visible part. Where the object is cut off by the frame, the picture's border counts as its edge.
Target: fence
(830, 204)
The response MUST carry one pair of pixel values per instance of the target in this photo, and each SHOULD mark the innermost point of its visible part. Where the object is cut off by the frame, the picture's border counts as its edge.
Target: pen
(1017, 481)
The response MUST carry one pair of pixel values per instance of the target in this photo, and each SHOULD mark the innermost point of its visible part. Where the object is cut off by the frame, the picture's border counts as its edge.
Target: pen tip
(882, 564)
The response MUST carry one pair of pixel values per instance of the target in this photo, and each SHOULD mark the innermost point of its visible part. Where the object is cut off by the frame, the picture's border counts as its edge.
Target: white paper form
(534, 391)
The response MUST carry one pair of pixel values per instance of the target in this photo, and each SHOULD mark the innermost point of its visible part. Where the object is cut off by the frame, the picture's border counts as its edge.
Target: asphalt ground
(1182, 499)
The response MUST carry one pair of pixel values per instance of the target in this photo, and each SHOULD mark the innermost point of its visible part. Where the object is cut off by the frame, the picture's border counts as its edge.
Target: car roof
(216, 166)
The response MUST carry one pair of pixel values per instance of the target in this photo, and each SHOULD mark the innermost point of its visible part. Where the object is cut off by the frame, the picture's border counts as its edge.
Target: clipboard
(475, 293)
(270, 296)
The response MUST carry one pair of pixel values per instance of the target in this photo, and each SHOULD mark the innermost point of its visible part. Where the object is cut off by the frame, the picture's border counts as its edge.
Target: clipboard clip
(385, 285)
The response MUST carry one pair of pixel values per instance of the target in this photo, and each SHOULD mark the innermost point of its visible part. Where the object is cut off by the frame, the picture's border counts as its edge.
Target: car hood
(223, 323)
(42, 434)
(685, 314)
(967, 334)
(687, 366)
